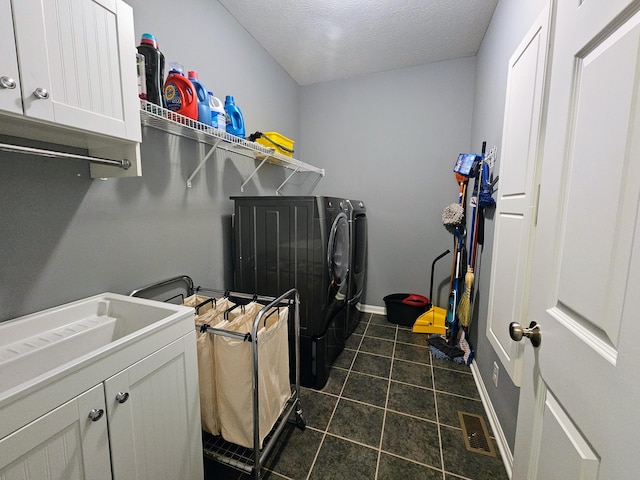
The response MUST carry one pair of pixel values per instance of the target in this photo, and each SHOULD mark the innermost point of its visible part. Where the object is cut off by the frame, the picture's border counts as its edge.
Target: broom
(464, 313)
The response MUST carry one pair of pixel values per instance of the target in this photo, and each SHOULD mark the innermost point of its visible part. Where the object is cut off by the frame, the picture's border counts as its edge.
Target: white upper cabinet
(73, 66)
(10, 98)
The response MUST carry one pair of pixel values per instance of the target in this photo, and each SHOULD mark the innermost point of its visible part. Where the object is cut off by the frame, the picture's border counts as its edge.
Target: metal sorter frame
(215, 447)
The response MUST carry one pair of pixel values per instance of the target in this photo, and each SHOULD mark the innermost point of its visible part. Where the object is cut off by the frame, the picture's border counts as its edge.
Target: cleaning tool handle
(433, 266)
(474, 214)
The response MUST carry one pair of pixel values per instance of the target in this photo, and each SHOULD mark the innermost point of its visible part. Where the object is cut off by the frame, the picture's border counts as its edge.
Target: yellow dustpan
(433, 320)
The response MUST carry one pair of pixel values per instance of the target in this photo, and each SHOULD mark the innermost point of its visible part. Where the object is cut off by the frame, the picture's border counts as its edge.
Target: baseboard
(503, 446)
(371, 309)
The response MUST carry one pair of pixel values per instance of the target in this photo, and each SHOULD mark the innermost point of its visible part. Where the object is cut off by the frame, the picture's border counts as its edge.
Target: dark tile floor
(389, 411)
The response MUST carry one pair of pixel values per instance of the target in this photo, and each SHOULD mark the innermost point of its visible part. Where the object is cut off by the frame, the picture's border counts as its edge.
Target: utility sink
(36, 347)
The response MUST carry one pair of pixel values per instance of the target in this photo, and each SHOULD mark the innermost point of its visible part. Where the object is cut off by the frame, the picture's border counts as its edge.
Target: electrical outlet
(496, 369)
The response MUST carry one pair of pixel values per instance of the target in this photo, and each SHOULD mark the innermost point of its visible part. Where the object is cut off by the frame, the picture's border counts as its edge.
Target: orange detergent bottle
(180, 94)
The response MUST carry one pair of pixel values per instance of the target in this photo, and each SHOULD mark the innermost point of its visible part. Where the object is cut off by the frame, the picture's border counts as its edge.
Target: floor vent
(476, 436)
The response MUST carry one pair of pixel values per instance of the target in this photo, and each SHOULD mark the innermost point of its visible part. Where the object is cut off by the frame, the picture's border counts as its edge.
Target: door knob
(517, 332)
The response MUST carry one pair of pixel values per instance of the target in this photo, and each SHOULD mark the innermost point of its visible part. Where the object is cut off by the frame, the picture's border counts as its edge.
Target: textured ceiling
(321, 40)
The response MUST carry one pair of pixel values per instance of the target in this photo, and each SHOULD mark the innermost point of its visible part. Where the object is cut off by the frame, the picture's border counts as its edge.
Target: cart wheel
(300, 421)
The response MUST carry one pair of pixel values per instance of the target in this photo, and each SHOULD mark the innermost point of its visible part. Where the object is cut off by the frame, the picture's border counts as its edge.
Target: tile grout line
(435, 403)
(417, 364)
(335, 407)
(386, 403)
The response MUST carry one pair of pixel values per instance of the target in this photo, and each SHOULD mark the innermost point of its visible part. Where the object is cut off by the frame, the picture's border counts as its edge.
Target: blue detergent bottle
(235, 121)
(204, 110)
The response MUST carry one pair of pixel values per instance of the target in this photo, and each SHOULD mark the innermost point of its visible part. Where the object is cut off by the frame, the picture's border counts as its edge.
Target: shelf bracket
(203, 161)
(253, 173)
(287, 179)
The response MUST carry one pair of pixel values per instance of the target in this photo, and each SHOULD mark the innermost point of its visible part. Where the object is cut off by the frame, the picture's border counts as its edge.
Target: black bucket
(405, 308)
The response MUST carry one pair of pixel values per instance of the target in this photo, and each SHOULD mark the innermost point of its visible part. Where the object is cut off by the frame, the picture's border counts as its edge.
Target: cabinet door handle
(7, 82)
(41, 93)
(96, 414)
(122, 397)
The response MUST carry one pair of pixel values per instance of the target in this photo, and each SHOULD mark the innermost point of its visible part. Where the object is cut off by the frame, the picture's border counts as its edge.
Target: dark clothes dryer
(301, 242)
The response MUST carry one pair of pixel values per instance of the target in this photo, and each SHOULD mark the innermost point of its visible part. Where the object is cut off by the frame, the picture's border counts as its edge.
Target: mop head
(466, 348)
(453, 214)
(441, 350)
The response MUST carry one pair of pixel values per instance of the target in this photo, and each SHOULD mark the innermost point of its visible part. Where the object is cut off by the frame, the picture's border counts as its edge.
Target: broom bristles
(464, 313)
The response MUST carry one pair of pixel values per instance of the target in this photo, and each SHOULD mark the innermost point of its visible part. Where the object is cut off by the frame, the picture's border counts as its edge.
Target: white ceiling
(321, 40)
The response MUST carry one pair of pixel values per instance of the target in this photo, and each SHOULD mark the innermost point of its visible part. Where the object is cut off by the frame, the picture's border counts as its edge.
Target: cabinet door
(77, 64)
(65, 443)
(10, 98)
(154, 416)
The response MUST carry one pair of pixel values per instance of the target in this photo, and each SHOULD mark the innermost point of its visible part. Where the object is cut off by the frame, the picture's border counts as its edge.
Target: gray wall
(65, 236)
(390, 139)
(511, 21)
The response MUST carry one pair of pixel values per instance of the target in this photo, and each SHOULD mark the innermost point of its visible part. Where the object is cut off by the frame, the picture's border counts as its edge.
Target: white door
(63, 444)
(153, 410)
(517, 194)
(578, 414)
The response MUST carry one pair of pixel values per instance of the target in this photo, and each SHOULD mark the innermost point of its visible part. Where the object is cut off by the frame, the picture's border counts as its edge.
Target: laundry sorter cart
(251, 456)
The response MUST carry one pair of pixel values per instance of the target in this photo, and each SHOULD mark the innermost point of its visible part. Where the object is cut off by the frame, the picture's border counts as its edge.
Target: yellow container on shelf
(279, 142)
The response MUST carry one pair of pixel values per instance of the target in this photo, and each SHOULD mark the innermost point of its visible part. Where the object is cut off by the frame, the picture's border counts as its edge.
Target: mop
(441, 350)
(453, 214)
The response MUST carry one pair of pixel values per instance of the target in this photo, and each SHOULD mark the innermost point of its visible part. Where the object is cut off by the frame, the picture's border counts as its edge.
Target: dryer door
(338, 254)
(359, 255)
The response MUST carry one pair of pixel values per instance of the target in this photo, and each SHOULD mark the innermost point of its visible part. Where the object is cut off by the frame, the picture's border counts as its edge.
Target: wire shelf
(166, 120)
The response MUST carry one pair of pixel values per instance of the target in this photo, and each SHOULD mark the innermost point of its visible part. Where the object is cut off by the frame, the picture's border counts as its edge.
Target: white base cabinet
(101, 388)
(141, 423)
(151, 431)
(68, 76)
(63, 444)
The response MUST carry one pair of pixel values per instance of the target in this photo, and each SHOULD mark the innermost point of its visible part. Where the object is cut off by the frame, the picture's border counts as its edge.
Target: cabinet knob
(122, 397)
(41, 93)
(96, 414)
(7, 82)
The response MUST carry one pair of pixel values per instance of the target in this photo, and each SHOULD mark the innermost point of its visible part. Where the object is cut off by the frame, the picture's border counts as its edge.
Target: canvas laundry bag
(218, 304)
(234, 371)
(211, 314)
(250, 309)
(195, 300)
(214, 317)
(209, 417)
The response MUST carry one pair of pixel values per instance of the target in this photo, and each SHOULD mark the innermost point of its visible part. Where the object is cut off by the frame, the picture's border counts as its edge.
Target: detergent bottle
(204, 110)
(235, 122)
(218, 117)
(180, 94)
(154, 69)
